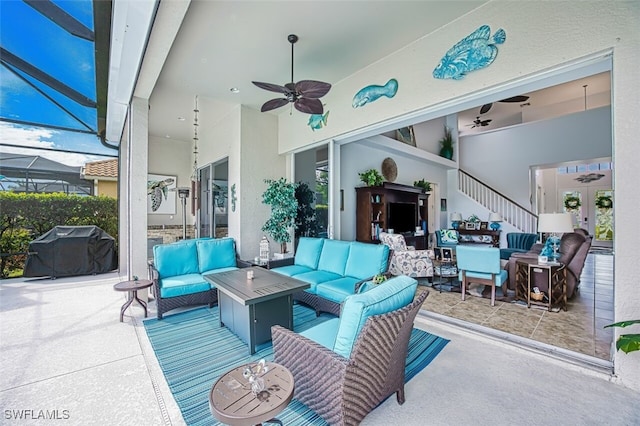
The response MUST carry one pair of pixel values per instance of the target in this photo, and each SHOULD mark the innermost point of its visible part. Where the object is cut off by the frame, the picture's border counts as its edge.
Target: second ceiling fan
(304, 95)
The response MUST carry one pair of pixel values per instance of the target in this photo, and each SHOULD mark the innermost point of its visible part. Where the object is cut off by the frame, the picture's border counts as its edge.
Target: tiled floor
(579, 329)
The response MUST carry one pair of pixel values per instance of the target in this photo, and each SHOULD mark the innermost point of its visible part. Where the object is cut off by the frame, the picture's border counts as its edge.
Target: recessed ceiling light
(167, 136)
(234, 90)
(181, 118)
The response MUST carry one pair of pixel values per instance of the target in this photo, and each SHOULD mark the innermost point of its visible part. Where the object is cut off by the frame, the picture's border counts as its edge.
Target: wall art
(161, 195)
(405, 135)
(373, 93)
(318, 121)
(476, 51)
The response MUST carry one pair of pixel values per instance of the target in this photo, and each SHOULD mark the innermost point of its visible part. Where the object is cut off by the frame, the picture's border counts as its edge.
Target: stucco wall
(541, 36)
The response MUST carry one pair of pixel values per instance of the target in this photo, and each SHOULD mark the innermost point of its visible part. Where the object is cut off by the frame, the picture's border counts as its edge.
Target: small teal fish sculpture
(373, 93)
(473, 52)
(318, 121)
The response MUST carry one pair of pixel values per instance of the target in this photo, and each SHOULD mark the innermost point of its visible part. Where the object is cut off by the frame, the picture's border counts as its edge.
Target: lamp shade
(555, 222)
(495, 217)
(456, 217)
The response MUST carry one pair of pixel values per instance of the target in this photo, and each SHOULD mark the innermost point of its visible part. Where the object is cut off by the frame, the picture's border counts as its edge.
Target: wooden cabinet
(374, 208)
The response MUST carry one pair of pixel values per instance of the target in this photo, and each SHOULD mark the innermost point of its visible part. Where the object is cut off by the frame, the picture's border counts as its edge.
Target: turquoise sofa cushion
(176, 259)
(216, 271)
(366, 260)
(337, 290)
(216, 253)
(308, 252)
(316, 277)
(323, 333)
(498, 279)
(334, 256)
(389, 296)
(182, 285)
(292, 270)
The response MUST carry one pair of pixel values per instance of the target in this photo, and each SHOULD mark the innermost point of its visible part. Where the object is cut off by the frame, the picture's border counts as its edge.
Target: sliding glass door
(213, 196)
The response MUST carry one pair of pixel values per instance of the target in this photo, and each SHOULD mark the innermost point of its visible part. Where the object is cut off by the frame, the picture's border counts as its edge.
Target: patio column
(133, 191)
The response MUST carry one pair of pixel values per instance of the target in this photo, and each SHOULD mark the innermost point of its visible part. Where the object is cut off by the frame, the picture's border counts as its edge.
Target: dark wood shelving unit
(372, 209)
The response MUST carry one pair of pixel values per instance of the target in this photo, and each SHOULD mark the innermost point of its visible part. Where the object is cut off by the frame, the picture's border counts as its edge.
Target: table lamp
(495, 220)
(456, 218)
(554, 224)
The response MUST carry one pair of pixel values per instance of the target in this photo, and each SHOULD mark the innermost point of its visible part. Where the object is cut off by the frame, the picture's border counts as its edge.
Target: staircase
(513, 213)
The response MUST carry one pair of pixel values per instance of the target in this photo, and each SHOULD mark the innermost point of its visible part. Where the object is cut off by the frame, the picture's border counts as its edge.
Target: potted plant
(446, 144)
(627, 342)
(426, 186)
(371, 177)
(306, 222)
(281, 196)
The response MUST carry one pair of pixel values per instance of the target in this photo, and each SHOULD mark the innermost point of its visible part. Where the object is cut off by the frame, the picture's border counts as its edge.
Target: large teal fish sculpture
(318, 121)
(373, 93)
(474, 52)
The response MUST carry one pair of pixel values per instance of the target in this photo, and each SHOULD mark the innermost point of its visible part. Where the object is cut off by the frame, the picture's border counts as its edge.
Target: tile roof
(103, 168)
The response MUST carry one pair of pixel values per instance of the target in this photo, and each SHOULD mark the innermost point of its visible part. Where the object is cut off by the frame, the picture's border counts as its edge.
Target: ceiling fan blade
(520, 98)
(486, 122)
(273, 104)
(309, 106)
(485, 108)
(271, 87)
(290, 87)
(312, 89)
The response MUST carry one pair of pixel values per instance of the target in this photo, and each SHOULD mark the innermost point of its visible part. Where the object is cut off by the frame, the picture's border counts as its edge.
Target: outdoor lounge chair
(332, 365)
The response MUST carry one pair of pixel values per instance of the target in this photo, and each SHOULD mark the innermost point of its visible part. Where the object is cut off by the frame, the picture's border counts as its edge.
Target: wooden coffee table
(132, 287)
(232, 402)
(249, 307)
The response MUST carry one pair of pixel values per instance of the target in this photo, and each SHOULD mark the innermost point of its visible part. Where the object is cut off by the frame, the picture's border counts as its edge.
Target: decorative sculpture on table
(253, 374)
(476, 51)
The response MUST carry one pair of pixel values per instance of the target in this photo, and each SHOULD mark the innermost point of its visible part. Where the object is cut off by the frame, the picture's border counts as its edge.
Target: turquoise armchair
(518, 242)
(346, 366)
(481, 264)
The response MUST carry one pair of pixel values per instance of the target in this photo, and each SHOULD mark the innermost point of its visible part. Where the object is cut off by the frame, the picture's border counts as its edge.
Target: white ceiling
(225, 44)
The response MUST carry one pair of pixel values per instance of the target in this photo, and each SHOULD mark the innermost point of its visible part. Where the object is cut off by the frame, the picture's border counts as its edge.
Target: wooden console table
(485, 234)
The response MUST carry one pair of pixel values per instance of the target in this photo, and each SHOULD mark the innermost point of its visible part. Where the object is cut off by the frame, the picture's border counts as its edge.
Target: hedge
(24, 217)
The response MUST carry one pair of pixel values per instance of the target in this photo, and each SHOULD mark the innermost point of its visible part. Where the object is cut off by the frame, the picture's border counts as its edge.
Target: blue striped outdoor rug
(193, 351)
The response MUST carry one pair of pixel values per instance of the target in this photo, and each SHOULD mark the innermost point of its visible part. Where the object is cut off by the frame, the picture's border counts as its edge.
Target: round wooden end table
(132, 288)
(231, 400)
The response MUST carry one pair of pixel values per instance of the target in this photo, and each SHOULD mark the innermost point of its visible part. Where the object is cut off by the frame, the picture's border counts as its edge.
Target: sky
(67, 58)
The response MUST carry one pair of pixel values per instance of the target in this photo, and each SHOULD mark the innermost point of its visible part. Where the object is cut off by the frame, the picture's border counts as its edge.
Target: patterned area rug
(193, 351)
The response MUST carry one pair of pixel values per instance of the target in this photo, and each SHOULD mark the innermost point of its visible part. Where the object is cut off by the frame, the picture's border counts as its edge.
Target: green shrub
(24, 217)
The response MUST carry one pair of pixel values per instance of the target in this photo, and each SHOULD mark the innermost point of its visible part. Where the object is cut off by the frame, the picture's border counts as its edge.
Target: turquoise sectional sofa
(178, 270)
(334, 269)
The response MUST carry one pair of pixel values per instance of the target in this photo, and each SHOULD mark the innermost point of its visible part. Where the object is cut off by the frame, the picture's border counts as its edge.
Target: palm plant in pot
(281, 196)
(446, 144)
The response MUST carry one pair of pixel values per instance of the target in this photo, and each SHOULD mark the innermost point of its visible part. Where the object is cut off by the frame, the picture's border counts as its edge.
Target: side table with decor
(251, 394)
(555, 276)
(446, 270)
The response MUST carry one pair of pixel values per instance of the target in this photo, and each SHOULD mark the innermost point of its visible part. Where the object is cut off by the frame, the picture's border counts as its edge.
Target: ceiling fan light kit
(304, 95)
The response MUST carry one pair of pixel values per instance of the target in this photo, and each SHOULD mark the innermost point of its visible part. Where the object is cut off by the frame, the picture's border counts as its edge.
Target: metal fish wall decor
(373, 93)
(476, 51)
(318, 121)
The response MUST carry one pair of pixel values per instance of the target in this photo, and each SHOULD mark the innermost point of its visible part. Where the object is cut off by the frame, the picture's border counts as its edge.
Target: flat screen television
(402, 217)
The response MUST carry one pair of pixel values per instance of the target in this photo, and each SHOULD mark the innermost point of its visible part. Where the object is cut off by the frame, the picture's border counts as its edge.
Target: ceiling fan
(521, 98)
(478, 123)
(305, 94)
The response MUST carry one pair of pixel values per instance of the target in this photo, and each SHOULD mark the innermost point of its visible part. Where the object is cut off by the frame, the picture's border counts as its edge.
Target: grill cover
(71, 250)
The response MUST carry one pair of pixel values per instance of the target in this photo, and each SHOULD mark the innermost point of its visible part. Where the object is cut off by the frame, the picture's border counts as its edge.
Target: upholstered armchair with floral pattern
(406, 260)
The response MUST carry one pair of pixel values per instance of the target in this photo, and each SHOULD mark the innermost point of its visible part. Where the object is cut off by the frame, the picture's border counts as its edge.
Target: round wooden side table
(132, 288)
(232, 402)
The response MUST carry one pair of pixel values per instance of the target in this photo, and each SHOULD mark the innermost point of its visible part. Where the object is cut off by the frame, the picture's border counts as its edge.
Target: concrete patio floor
(66, 356)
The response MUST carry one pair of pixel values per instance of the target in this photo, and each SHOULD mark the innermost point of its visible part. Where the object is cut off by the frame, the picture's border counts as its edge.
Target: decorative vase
(447, 152)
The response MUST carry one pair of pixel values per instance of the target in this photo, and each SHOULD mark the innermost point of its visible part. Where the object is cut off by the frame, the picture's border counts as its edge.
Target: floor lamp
(554, 224)
(183, 193)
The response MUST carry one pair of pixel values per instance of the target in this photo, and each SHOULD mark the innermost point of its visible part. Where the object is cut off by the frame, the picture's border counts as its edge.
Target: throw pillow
(449, 236)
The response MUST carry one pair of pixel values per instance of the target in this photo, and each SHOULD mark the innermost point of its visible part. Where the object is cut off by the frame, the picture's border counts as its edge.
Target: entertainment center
(391, 206)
